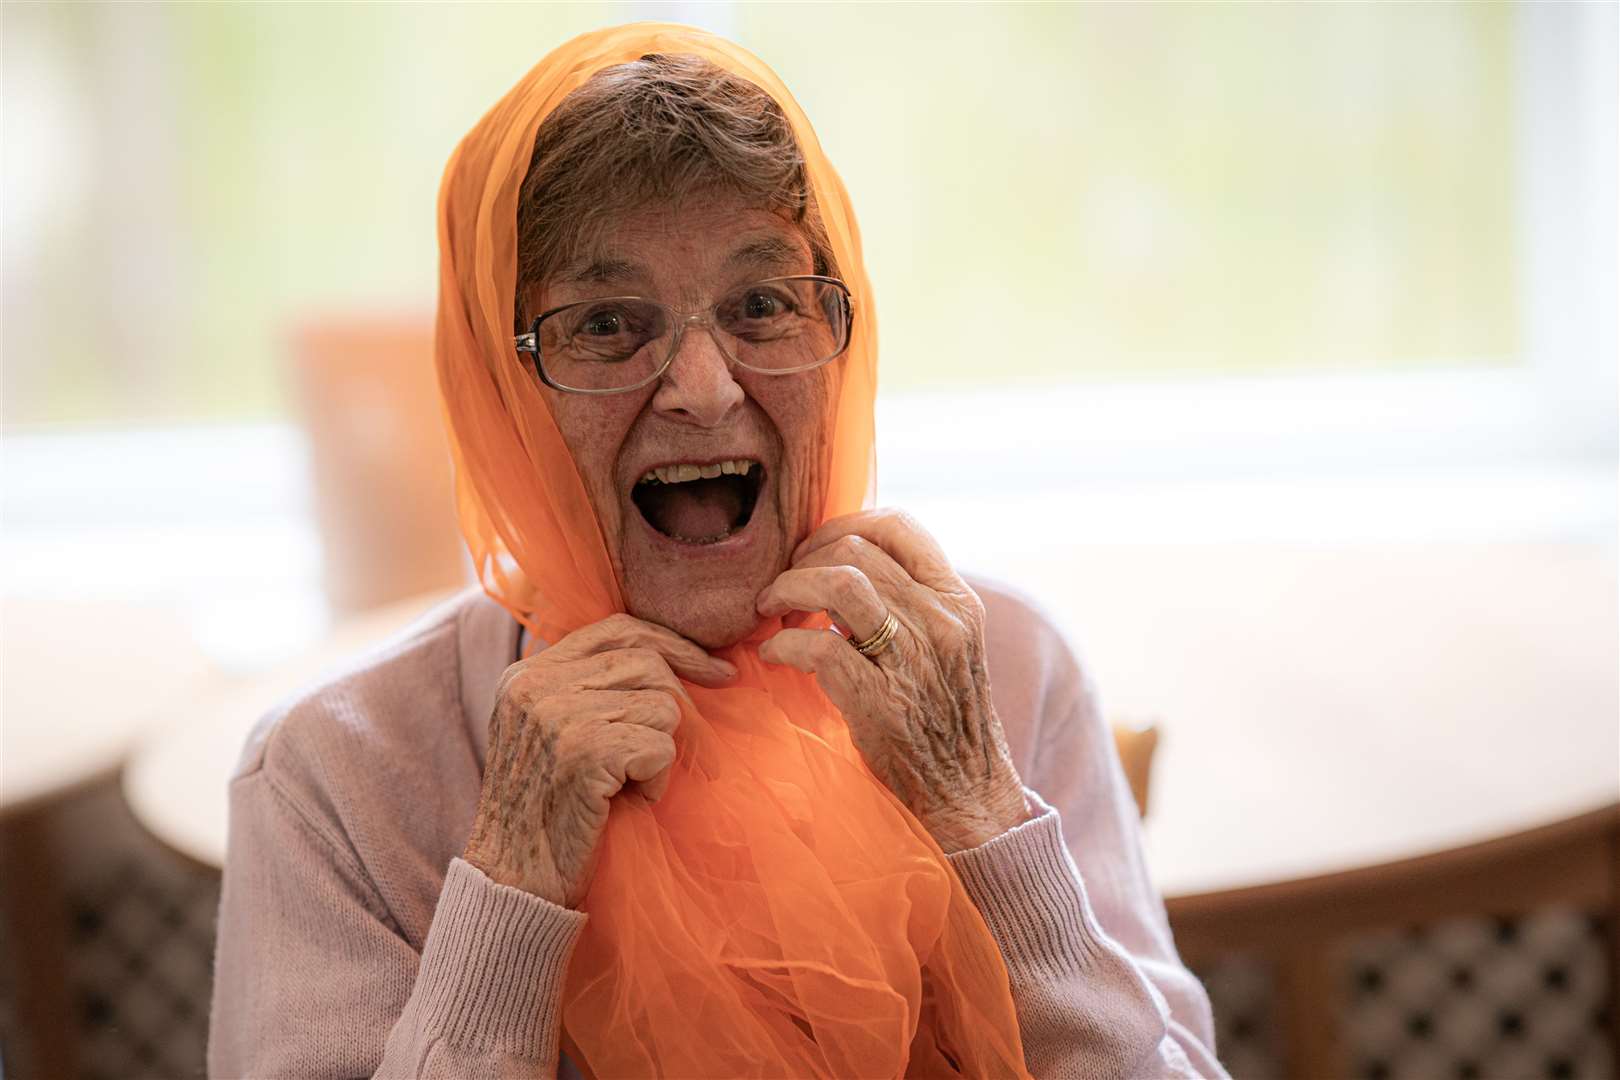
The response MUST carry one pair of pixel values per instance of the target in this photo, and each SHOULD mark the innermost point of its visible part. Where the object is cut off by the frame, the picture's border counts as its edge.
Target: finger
(897, 533)
(844, 674)
(630, 754)
(655, 709)
(842, 591)
(887, 576)
(625, 669)
(687, 658)
(652, 790)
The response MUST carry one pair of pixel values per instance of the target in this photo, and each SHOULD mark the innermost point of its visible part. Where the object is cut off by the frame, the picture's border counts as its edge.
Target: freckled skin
(919, 711)
(703, 408)
(573, 727)
(593, 715)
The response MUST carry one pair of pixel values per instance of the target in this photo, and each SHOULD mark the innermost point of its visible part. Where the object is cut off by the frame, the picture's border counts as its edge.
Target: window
(1048, 193)
(1061, 192)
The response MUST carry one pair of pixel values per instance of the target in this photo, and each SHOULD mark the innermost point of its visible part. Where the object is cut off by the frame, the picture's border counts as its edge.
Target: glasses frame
(530, 342)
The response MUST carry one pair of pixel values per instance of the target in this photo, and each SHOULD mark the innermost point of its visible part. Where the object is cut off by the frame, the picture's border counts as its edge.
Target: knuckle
(583, 749)
(618, 743)
(665, 744)
(621, 627)
(905, 521)
(660, 702)
(822, 645)
(849, 585)
(972, 604)
(850, 545)
(641, 661)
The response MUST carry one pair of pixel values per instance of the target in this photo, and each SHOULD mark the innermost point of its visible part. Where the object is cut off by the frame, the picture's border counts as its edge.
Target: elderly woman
(720, 774)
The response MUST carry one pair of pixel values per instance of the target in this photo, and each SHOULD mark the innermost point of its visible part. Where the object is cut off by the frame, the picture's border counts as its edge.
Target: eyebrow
(773, 251)
(770, 251)
(603, 271)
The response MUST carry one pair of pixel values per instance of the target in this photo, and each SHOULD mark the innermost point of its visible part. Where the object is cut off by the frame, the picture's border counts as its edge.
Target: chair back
(1135, 742)
(384, 503)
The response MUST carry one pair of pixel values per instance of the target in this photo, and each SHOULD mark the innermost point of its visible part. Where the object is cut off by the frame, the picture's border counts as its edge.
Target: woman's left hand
(919, 710)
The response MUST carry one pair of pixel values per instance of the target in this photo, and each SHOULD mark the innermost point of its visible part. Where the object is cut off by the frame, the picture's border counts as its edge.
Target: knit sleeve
(1086, 1007)
(1099, 987)
(312, 977)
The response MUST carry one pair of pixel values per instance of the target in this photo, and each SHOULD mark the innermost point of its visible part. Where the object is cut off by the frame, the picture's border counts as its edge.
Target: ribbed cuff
(493, 966)
(1029, 891)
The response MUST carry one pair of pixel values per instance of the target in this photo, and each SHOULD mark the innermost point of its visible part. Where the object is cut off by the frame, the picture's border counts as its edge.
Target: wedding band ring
(880, 640)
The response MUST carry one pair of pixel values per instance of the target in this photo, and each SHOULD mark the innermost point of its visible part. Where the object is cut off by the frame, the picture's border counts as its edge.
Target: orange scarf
(778, 912)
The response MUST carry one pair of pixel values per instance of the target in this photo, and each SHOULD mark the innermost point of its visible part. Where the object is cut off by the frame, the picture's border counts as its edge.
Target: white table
(1321, 708)
(175, 782)
(1324, 708)
(82, 682)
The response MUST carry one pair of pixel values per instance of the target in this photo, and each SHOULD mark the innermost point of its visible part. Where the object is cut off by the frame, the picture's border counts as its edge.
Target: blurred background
(1272, 349)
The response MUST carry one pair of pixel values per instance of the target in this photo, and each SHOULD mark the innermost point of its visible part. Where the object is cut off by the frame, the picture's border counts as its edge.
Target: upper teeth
(679, 474)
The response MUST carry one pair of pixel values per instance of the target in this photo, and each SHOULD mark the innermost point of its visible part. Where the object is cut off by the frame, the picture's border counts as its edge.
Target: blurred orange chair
(1135, 742)
(369, 399)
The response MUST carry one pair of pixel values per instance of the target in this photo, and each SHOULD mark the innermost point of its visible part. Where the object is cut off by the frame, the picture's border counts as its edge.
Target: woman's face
(701, 412)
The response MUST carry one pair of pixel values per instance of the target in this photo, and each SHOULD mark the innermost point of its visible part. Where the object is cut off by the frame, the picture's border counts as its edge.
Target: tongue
(695, 510)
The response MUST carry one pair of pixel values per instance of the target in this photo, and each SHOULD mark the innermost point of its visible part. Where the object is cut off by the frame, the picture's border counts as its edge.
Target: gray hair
(660, 129)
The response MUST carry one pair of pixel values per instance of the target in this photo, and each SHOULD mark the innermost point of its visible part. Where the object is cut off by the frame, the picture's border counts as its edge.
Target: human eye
(609, 331)
(763, 304)
(603, 324)
(759, 310)
(598, 320)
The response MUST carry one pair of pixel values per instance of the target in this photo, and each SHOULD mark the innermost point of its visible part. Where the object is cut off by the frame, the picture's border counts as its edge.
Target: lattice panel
(1469, 999)
(1242, 991)
(141, 969)
(1480, 999)
(136, 924)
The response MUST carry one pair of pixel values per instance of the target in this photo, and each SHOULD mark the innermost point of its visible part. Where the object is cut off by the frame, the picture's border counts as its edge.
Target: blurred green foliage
(1046, 192)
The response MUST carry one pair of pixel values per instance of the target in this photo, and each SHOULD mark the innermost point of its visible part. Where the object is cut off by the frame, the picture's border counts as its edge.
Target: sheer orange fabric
(778, 912)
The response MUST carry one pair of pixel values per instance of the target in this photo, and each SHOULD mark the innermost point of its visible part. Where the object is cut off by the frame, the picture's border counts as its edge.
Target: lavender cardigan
(354, 941)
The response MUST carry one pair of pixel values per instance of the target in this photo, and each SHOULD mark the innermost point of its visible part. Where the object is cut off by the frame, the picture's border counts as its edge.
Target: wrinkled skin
(920, 709)
(687, 256)
(574, 726)
(590, 719)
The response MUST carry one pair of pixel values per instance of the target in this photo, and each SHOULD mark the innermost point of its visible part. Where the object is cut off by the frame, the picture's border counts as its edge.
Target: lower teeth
(701, 539)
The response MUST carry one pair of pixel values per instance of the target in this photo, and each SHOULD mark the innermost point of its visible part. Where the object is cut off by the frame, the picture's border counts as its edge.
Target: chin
(714, 618)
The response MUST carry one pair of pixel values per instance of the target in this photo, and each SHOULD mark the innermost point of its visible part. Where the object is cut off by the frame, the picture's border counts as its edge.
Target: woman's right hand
(573, 726)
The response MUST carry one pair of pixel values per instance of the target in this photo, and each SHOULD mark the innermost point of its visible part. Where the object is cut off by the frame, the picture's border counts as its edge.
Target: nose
(698, 387)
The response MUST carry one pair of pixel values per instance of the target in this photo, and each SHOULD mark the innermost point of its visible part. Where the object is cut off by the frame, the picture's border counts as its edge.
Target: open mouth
(699, 504)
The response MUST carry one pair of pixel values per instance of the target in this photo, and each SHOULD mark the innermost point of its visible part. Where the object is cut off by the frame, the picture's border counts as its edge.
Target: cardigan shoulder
(378, 759)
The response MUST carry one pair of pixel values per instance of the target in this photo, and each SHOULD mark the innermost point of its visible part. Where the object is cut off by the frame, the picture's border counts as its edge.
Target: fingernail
(726, 667)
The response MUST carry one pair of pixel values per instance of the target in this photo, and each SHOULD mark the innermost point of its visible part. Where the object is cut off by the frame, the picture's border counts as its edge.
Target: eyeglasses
(778, 326)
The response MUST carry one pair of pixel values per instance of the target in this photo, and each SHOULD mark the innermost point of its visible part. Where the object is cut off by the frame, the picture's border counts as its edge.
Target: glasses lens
(786, 325)
(603, 344)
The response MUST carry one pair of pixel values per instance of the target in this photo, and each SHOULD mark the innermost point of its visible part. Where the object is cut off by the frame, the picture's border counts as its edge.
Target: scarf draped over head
(778, 912)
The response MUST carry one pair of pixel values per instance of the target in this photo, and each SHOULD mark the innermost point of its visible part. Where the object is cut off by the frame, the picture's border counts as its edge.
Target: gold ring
(880, 640)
